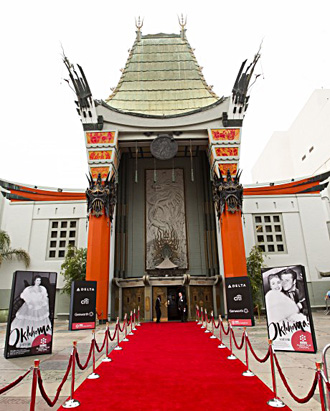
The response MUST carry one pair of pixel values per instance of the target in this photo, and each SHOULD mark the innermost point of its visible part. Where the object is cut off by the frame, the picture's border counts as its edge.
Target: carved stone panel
(202, 296)
(132, 299)
(166, 236)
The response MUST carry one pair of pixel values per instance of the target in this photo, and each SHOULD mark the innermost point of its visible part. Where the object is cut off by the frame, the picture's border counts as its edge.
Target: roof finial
(182, 22)
(138, 25)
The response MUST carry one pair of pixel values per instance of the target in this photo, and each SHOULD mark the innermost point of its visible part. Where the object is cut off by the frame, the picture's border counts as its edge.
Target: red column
(98, 254)
(233, 250)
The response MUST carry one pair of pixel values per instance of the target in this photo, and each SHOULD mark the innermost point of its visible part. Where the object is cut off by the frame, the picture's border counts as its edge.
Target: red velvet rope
(114, 334)
(208, 320)
(42, 389)
(239, 347)
(285, 382)
(223, 329)
(255, 355)
(121, 329)
(96, 345)
(83, 367)
(216, 326)
(12, 384)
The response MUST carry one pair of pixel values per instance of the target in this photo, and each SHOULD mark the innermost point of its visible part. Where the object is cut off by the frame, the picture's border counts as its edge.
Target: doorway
(172, 301)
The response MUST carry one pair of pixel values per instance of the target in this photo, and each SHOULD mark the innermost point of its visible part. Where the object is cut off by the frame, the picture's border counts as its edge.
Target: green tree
(7, 253)
(74, 267)
(254, 263)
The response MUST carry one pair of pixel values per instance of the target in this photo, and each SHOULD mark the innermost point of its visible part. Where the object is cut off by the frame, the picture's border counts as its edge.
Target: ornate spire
(183, 23)
(138, 25)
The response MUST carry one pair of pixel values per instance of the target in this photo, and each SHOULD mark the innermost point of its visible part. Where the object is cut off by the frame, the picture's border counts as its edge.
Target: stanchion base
(199, 322)
(213, 337)
(138, 325)
(203, 326)
(125, 339)
(118, 348)
(207, 331)
(248, 373)
(71, 404)
(276, 403)
(221, 346)
(106, 359)
(93, 376)
(134, 329)
(231, 357)
(130, 333)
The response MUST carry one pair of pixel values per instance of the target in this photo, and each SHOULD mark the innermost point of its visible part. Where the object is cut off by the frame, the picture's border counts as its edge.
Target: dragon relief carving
(101, 197)
(227, 192)
(166, 246)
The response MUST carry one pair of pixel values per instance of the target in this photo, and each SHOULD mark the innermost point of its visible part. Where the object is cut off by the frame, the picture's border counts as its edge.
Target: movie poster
(239, 301)
(289, 317)
(31, 314)
(83, 305)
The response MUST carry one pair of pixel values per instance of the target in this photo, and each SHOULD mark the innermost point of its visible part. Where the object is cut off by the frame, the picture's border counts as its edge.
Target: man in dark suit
(291, 289)
(158, 310)
(182, 306)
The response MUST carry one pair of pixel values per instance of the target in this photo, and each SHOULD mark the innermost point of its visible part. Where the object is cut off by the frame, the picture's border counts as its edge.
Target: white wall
(28, 225)
(282, 158)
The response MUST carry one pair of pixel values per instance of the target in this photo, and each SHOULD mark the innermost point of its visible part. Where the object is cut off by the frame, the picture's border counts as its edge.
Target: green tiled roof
(161, 77)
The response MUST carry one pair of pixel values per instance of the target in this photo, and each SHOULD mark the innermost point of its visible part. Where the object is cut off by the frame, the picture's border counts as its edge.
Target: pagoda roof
(161, 78)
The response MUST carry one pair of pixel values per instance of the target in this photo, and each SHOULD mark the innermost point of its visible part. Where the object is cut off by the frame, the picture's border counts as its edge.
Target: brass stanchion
(203, 318)
(118, 348)
(247, 372)
(107, 359)
(34, 385)
(93, 375)
(206, 323)
(131, 321)
(221, 345)
(199, 322)
(275, 402)
(321, 387)
(134, 328)
(138, 317)
(72, 403)
(231, 356)
(125, 328)
(212, 320)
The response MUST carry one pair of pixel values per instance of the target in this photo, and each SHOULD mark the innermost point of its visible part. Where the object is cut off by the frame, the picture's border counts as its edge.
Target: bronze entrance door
(172, 301)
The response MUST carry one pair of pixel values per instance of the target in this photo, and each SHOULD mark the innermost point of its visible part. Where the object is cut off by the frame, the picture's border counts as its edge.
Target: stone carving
(165, 221)
(227, 192)
(164, 147)
(101, 197)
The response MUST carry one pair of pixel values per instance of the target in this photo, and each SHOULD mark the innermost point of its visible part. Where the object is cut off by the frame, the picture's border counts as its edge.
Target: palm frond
(4, 240)
(19, 254)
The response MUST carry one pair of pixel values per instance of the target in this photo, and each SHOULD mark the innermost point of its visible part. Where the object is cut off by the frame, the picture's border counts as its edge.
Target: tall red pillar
(233, 250)
(98, 254)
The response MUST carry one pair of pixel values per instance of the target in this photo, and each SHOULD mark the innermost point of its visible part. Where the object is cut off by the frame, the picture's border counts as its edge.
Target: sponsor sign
(31, 314)
(289, 317)
(83, 305)
(239, 301)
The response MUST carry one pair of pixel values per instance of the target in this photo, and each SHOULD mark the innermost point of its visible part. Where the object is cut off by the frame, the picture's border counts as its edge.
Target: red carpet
(172, 366)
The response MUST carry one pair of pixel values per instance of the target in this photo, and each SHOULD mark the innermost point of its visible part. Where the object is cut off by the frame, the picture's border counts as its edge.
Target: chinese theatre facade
(164, 199)
(163, 154)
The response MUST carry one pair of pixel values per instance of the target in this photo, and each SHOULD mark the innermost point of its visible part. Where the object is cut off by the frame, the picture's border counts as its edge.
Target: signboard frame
(239, 301)
(83, 305)
(289, 316)
(30, 322)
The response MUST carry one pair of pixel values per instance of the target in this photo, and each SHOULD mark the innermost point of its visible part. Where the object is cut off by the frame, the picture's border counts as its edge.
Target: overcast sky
(41, 135)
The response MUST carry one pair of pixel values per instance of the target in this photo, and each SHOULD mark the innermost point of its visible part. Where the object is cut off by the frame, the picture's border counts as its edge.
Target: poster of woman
(289, 318)
(31, 314)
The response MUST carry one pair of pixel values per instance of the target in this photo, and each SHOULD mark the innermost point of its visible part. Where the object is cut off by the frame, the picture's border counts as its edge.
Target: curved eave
(163, 116)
